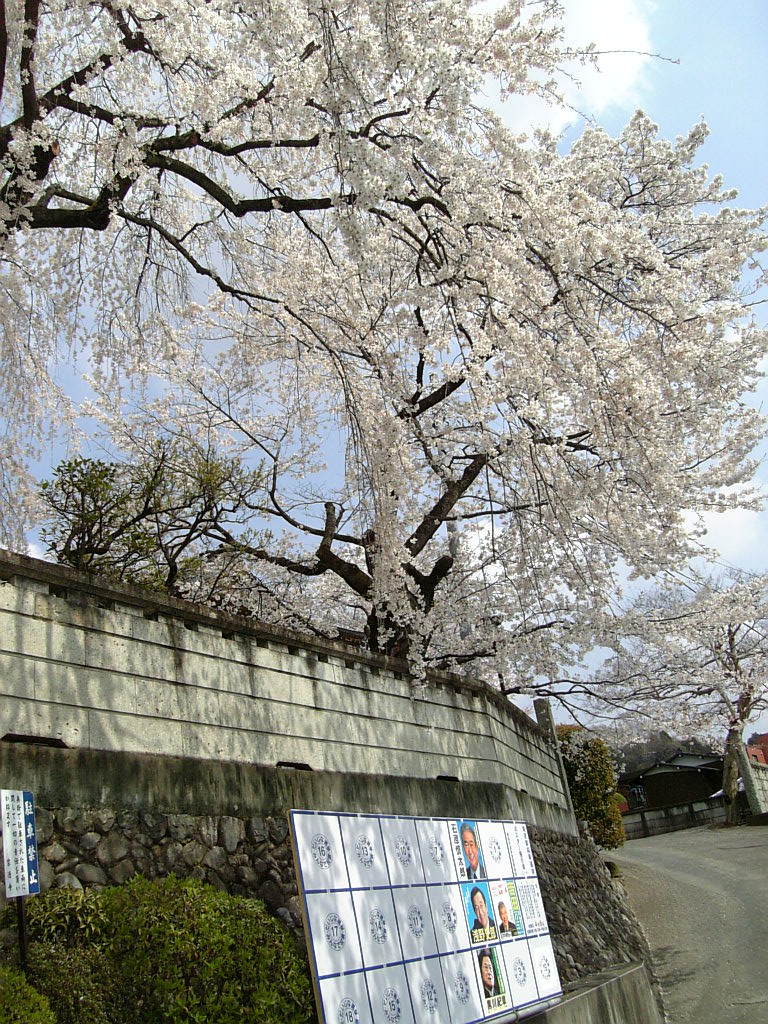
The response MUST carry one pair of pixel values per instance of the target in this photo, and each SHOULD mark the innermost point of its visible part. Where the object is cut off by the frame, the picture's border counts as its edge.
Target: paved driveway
(702, 898)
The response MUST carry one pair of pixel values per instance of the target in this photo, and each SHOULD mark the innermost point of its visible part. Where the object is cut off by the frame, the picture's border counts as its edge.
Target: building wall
(755, 778)
(101, 668)
(680, 786)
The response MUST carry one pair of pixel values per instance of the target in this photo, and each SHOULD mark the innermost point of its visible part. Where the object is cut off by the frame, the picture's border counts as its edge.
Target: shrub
(188, 953)
(592, 782)
(171, 951)
(71, 916)
(19, 1002)
(78, 981)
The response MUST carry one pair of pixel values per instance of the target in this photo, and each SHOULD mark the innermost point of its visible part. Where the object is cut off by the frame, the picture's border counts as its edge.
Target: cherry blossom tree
(476, 375)
(694, 654)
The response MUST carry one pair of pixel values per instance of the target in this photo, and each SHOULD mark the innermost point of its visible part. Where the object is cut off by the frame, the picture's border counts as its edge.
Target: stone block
(80, 687)
(28, 717)
(43, 638)
(153, 825)
(54, 853)
(278, 829)
(256, 829)
(199, 705)
(43, 825)
(122, 871)
(231, 833)
(215, 858)
(46, 874)
(17, 676)
(218, 883)
(73, 820)
(193, 853)
(271, 894)
(103, 820)
(171, 853)
(66, 880)
(127, 820)
(110, 731)
(112, 849)
(208, 830)
(90, 874)
(181, 826)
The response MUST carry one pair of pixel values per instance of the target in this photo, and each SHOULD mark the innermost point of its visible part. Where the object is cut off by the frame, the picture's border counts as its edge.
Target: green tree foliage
(170, 523)
(174, 951)
(592, 782)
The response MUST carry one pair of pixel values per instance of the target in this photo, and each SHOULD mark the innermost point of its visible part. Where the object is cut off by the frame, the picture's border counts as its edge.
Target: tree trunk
(381, 623)
(731, 774)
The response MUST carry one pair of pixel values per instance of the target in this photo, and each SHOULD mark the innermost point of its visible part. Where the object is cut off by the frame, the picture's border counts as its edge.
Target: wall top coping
(97, 589)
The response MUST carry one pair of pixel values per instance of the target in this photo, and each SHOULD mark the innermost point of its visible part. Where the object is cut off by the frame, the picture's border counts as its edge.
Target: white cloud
(620, 31)
(739, 536)
(35, 550)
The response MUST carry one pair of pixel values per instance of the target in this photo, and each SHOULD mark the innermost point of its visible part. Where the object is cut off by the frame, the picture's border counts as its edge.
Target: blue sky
(711, 62)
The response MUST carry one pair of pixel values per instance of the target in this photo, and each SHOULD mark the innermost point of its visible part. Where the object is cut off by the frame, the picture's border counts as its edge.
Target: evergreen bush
(19, 1002)
(166, 952)
(592, 782)
(77, 981)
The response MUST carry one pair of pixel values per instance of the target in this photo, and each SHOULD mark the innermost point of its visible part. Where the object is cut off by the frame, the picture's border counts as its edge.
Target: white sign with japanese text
(19, 843)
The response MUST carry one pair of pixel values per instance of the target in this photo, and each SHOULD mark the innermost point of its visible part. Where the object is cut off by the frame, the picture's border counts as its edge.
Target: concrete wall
(104, 816)
(95, 668)
(623, 996)
(672, 819)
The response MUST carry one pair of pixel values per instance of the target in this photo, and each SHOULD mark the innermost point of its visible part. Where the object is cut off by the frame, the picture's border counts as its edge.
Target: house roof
(680, 761)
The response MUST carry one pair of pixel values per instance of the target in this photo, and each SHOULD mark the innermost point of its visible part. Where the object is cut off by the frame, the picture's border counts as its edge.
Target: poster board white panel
(377, 927)
(389, 995)
(461, 987)
(425, 980)
(414, 919)
(493, 842)
(520, 973)
(364, 849)
(436, 851)
(529, 895)
(448, 918)
(519, 847)
(323, 866)
(544, 966)
(346, 999)
(401, 846)
(333, 929)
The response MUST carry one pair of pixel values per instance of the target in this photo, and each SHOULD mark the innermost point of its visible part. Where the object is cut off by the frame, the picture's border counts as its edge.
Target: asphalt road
(701, 896)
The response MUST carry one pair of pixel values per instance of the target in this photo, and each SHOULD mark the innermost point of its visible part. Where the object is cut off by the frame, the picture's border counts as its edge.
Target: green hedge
(19, 1002)
(165, 953)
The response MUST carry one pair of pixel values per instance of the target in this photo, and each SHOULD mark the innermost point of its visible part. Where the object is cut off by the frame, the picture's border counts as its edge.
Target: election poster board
(415, 920)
